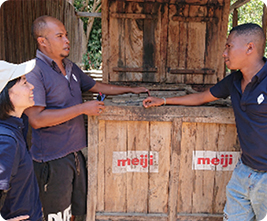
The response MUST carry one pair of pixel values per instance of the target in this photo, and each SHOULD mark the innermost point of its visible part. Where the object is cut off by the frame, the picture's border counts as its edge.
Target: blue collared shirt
(53, 90)
(250, 109)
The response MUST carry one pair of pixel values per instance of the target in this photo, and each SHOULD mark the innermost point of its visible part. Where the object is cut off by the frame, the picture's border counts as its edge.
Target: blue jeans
(246, 195)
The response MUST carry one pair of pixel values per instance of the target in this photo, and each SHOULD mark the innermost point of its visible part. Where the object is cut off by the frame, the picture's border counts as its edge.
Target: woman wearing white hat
(19, 195)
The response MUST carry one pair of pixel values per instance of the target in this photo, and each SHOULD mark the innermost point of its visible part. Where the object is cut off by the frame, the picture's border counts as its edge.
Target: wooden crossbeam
(88, 14)
(238, 4)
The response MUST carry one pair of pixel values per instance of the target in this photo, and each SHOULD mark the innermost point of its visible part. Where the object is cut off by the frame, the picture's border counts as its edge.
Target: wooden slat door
(135, 30)
(196, 36)
(165, 41)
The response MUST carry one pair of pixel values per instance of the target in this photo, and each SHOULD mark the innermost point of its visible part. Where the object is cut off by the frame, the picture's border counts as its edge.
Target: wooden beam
(238, 4)
(235, 17)
(264, 19)
(87, 14)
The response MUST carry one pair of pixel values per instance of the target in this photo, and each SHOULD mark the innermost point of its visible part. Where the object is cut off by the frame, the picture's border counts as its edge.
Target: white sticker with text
(135, 161)
(215, 160)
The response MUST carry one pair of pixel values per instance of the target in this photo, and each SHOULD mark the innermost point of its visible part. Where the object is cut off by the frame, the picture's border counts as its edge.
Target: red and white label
(135, 161)
(215, 160)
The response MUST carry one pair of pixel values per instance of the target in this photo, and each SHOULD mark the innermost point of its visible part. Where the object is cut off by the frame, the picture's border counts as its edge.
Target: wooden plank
(134, 31)
(105, 40)
(194, 19)
(196, 49)
(183, 44)
(89, 15)
(264, 19)
(2, 33)
(92, 167)
(132, 16)
(200, 217)
(18, 13)
(137, 183)
(186, 174)
(223, 24)
(101, 167)
(157, 217)
(132, 69)
(206, 140)
(173, 43)
(149, 49)
(202, 71)
(227, 141)
(212, 43)
(131, 217)
(115, 183)
(235, 18)
(160, 141)
(174, 168)
(162, 37)
(26, 29)
(169, 113)
(117, 44)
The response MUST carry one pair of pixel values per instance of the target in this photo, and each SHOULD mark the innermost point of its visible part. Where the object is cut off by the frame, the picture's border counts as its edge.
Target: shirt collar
(14, 122)
(258, 77)
(262, 73)
(50, 62)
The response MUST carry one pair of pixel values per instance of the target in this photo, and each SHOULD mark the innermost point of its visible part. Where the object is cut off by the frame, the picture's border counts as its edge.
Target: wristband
(164, 101)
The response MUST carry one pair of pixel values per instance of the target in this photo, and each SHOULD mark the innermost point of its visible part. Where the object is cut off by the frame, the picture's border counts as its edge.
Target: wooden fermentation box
(171, 162)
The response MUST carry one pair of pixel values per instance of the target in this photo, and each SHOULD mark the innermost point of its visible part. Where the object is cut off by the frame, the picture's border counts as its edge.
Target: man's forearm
(52, 117)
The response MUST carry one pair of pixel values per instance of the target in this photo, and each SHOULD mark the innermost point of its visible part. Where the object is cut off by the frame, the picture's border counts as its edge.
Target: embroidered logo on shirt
(74, 77)
(260, 99)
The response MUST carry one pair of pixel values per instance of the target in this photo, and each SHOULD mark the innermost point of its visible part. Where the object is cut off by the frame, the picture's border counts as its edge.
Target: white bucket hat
(9, 71)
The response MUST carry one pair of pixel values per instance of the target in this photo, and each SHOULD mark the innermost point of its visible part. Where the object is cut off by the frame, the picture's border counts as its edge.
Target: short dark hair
(38, 26)
(6, 105)
(251, 29)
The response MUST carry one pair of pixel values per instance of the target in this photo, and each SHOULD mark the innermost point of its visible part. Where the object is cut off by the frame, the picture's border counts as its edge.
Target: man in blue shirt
(247, 190)
(57, 121)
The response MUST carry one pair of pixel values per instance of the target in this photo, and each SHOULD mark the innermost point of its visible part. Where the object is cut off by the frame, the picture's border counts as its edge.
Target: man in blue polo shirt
(247, 190)
(58, 127)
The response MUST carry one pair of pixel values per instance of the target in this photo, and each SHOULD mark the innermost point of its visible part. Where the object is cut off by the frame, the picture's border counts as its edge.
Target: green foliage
(93, 58)
(250, 12)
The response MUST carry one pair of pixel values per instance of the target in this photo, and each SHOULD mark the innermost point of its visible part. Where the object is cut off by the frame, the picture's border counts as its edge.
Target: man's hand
(153, 102)
(93, 107)
(138, 90)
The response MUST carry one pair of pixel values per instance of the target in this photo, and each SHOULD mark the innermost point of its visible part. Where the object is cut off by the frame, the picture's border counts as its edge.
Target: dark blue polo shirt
(17, 174)
(250, 109)
(53, 90)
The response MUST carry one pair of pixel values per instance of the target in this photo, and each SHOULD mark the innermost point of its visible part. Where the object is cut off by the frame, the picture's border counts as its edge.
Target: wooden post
(92, 167)
(264, 19)
(105, 40)
(175, 166)
(235, 17)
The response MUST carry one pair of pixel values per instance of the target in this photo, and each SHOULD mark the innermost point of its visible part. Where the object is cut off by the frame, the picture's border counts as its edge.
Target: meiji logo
(135, 161)
(212, 160)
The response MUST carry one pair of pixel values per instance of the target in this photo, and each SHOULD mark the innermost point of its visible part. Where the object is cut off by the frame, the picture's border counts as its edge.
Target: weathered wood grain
(93, 142)
(177, 35)
(115, 184)
(137, 183)
(160, 141)
(17, 44)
